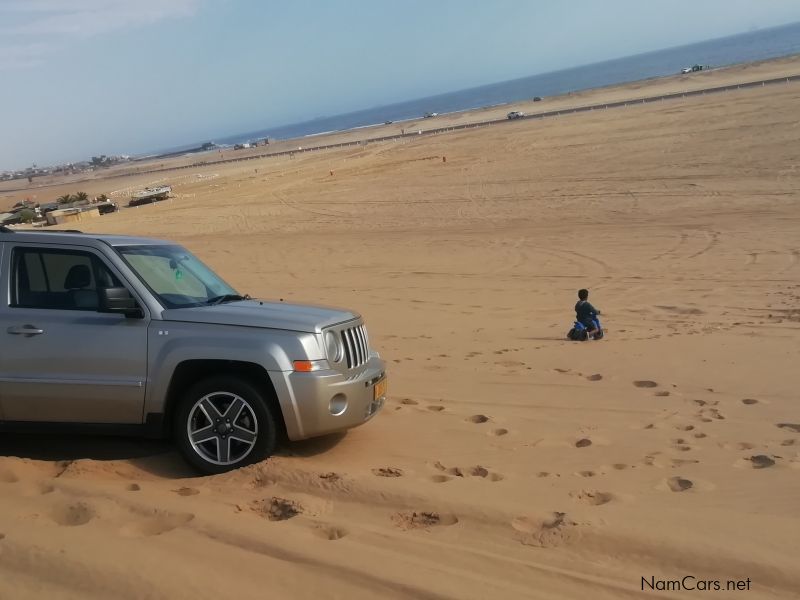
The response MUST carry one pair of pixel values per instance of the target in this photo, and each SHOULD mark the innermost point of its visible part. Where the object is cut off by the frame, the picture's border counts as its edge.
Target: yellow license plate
(379, 391)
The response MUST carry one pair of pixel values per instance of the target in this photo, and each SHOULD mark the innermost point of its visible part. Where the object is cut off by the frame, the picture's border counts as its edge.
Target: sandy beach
(508, 462)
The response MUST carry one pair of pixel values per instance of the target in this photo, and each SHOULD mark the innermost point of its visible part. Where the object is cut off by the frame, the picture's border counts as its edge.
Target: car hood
(262, 313)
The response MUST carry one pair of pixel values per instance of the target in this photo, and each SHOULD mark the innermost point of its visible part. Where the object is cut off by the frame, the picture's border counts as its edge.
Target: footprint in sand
(72, 515)
(595, 377)
(8, 477)
(789, 442)
(409, 402)
(330, 476)
(684, 427)
(478, 419)
(329, 532)
(707, 415)
(499, 432)
(790, 426)
(662, 394)
(46, 488)
(280, 509)
(593, 497)
(133, 487)
(387, 472)
(619, 466)
(586, 473)
(2, 536)
(436, 408)
(440, 478)
(761, 461)
(422, 519)
(479, 471)
(544, 532)
(749, 401)
(650, 459)
(700, 435)
(645, 383)
(186, 491)
(680, 462)
(679, 484)
(583, 443)
(156, 525)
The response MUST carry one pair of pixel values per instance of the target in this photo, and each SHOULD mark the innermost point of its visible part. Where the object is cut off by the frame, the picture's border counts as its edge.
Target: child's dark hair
(583, 294)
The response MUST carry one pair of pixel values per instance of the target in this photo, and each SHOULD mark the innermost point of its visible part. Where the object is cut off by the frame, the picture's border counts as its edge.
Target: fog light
(338, 404)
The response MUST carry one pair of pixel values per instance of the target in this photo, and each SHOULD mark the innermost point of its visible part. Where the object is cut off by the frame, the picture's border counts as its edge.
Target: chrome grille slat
(366, 337)
(348, 350)
(352, 341)
(356, 345)
(363, 339)
(360, 345)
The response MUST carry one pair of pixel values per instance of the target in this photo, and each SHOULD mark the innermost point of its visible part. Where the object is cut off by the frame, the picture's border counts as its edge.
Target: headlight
(333, 347)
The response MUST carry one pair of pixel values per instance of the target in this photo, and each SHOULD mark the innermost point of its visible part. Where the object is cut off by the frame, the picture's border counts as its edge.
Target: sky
(86, 77)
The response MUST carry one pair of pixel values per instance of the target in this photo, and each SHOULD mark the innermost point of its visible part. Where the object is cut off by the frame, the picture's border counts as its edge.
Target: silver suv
(126, 335)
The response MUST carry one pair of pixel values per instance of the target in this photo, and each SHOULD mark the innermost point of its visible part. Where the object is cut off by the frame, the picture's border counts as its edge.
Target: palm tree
(65, 199)
(81, 197)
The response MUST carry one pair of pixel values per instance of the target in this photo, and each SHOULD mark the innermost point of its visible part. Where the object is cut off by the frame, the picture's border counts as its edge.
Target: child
(585, 313)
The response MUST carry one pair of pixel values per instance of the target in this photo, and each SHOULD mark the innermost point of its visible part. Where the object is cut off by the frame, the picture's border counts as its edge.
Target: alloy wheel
(222, 428)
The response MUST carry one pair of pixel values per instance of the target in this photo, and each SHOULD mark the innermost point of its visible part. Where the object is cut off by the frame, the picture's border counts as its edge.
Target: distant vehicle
(428, 115)
(692, 69)
(150, 195)
(241, 146)
(515, 114)
(106, 207)
(537, 98)
(388, 122)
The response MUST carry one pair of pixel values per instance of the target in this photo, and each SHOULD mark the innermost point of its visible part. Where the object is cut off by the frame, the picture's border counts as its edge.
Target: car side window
(58, 279)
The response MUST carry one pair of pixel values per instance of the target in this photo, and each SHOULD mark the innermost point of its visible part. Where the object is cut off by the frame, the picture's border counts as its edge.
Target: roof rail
(4, 229)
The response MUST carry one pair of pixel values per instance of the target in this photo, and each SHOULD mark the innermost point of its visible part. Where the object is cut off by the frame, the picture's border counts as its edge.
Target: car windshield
(176, 276)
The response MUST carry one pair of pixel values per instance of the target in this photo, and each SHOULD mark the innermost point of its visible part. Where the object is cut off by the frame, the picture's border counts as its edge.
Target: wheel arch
(190, 371)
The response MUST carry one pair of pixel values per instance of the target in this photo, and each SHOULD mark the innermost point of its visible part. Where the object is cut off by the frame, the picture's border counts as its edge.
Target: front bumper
(324, 402)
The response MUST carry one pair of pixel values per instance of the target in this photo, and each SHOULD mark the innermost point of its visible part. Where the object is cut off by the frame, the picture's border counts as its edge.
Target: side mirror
(118, 300)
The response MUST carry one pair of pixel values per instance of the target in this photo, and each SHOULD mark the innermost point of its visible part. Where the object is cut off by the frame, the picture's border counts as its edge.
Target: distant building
(71, 215)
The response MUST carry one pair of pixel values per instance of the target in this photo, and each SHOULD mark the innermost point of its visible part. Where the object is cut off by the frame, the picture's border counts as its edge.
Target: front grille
(356, 345)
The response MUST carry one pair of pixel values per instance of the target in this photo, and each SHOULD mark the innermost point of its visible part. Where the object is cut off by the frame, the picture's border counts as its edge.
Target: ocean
(746, 47)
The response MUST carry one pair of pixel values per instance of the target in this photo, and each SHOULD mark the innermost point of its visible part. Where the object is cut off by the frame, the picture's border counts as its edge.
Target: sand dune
(508, 463)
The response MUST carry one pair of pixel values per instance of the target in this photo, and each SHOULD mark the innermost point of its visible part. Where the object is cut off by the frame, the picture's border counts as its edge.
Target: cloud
(62, 20)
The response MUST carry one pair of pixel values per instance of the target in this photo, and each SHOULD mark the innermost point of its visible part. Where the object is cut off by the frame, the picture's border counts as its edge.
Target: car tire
(223, 423)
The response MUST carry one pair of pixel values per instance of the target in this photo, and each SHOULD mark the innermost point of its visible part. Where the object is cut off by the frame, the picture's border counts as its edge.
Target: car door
(60, 359)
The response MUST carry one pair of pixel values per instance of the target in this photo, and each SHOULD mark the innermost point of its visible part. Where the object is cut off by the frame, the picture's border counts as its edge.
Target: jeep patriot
(128, 335)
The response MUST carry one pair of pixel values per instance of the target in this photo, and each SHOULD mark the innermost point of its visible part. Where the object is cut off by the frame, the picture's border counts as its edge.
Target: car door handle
(25, 330)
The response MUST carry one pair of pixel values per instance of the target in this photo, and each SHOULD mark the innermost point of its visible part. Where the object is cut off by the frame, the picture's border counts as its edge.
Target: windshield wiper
(227, 298)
